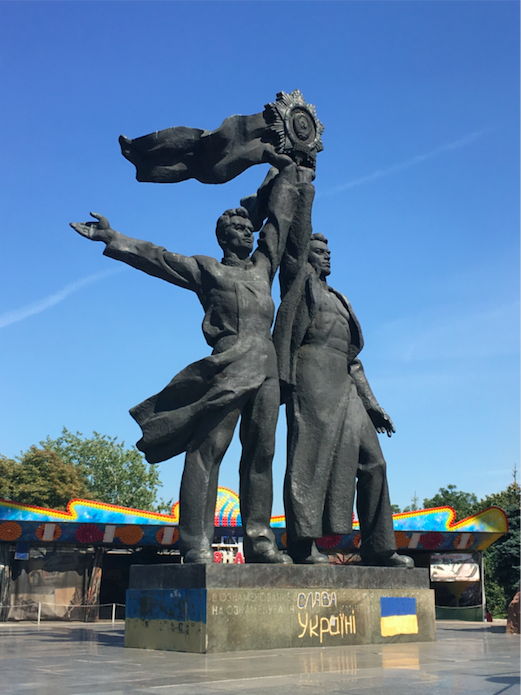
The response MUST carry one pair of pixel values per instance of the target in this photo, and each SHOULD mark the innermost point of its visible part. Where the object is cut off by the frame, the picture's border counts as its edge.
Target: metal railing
(35, 608)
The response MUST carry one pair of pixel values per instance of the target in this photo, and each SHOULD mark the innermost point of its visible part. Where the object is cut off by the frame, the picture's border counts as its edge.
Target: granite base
(221, 608)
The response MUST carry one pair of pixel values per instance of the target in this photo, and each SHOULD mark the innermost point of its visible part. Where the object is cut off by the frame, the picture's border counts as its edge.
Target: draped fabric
(169, 419)
(181, 153)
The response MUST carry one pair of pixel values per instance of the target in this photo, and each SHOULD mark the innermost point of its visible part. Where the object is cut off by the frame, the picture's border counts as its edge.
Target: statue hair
(319, 237)
(224, 222)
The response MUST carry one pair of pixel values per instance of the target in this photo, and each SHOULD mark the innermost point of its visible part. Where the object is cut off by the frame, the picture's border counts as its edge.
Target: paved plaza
(80, 659)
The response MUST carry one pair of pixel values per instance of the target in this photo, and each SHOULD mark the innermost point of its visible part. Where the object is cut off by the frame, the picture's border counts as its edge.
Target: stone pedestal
(221, 608)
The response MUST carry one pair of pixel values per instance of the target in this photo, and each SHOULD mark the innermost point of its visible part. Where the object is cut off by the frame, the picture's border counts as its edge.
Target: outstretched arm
(379, 417)
(143, 255)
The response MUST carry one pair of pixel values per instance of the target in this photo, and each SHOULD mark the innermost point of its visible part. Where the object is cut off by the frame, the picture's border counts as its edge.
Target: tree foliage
(112, 473)
(502, 558)
(413, 506)
(6, 478)
(41, 478)
(464, 503)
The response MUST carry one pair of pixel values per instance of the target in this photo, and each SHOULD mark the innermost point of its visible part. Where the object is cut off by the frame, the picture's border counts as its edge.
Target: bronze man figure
(199, 409)
(332, 415)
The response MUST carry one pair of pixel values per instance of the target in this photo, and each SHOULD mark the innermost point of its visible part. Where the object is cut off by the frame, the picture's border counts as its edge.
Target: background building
(74, 565)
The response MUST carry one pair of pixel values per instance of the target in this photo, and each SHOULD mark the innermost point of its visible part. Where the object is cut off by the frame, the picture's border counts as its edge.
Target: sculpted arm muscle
(154, 260)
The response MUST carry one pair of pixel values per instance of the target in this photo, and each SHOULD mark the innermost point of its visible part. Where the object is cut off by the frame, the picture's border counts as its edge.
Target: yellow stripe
(399, 625)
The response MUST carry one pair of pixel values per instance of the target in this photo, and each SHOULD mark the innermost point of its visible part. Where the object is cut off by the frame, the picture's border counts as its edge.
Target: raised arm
(295, 254)
(143, 255)
(281, 207)
(379, 417)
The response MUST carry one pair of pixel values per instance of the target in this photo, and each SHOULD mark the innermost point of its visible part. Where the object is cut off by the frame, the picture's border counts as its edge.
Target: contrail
(379, 173)
(10, 317)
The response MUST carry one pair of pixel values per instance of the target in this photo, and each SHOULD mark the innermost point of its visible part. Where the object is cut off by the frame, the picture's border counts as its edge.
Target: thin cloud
(418, 159)
(9, 317)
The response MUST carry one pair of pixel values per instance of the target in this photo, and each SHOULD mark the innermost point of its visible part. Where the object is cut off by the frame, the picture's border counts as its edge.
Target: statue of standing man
(332, 414)
(199, 409)
(197, 412)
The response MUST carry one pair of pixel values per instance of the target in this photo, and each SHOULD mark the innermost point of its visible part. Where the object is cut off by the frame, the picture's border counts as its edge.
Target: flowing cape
(170, 418)
(180, 153)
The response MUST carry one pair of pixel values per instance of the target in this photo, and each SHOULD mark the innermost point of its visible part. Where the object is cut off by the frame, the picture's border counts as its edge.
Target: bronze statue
(198, 411)
(332, 415)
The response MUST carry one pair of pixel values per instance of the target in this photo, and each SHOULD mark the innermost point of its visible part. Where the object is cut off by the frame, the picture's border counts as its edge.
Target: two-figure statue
(331, 412)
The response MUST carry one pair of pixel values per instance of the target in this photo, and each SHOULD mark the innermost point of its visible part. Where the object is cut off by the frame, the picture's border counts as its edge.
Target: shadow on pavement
(508, 681)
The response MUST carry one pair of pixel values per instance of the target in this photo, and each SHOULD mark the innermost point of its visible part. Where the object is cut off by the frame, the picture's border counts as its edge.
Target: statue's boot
(305, 552)
(265, 552)
(202, 556)
(388, 559)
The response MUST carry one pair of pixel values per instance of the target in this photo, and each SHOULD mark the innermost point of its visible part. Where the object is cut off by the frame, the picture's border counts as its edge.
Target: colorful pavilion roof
(86, 521)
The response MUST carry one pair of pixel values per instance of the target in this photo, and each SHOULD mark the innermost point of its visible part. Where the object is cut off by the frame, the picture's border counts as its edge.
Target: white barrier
(37, 607)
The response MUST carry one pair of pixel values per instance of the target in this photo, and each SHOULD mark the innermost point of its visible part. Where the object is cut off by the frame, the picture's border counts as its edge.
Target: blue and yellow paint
(398, 616)
(171, 619)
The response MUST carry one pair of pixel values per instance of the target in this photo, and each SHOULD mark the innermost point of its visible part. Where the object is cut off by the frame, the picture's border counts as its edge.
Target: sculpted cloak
(332, 441)
(239, 310)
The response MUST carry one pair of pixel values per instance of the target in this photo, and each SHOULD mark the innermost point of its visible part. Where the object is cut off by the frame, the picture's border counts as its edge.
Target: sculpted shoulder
(207, 262)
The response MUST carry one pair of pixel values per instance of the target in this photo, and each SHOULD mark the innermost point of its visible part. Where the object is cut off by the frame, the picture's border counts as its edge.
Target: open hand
(95, 231)
(280, 161)
(381, 421)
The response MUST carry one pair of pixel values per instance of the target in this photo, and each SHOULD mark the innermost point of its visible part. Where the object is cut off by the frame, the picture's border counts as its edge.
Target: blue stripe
(393, 605)
(167, 604)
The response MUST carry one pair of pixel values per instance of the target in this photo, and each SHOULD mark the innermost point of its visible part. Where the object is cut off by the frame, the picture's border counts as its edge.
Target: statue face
(320, 257)
(239, 235)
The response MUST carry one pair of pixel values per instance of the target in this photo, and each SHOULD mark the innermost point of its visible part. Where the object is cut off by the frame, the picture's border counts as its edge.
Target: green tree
(6, 477)
(40, 477)
(113, 474)
(502, 559)
(464, 503)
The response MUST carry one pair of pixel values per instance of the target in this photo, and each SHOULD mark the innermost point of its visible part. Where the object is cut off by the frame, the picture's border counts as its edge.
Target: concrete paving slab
(89, 659)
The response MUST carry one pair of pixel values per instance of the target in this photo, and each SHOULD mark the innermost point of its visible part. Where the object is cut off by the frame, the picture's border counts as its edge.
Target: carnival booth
(74, 565)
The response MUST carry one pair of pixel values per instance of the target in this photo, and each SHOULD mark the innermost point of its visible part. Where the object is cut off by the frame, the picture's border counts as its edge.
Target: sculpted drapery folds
(287, 126)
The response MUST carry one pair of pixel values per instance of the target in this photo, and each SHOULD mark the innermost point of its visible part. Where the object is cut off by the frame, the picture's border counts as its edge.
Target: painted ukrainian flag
(398, 616)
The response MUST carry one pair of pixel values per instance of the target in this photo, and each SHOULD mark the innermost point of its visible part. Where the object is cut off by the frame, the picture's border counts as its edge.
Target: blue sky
(417, 190)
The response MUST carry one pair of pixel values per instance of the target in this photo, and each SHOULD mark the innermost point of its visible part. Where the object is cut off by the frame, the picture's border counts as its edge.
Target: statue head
(319, 255)
(234, 232)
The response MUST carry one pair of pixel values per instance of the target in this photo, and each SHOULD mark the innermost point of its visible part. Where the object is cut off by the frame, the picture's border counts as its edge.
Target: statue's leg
(315, 415)
(340, 498)
(374, 506)
(199, 484)
(300, 535)
(258, 425)
(372, 500)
